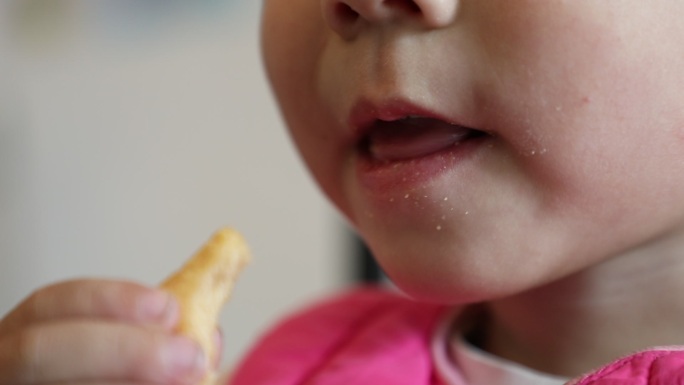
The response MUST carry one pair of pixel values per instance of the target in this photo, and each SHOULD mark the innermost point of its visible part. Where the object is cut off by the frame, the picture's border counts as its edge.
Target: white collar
(458, 362)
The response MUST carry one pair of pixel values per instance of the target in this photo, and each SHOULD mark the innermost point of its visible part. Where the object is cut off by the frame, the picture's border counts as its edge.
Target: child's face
(574, 147)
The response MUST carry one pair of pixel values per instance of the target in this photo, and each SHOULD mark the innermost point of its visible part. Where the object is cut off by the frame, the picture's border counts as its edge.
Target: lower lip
(383, 178)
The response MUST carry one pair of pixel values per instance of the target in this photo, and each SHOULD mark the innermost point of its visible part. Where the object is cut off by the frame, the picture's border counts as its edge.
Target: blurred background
(129, 131)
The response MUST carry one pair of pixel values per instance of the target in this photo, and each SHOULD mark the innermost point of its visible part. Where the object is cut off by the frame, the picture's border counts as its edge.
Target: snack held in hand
(204, 284)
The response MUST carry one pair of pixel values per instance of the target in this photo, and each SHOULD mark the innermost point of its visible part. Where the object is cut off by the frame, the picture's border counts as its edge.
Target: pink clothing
(371, 336)
(658, 366)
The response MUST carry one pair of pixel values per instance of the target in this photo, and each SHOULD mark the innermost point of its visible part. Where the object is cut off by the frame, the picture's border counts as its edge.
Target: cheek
(580, 100)
(293, 35)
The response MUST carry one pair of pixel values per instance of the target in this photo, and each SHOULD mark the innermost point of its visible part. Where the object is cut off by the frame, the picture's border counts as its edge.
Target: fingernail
(160, 307)
(183, 359)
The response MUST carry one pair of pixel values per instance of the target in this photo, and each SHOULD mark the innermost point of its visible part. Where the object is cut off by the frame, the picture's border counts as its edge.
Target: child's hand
(93, 331)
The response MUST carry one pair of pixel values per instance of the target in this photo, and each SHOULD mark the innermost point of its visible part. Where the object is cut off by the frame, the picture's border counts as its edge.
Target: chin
(435, 277)
(447, 271)
(444, 287)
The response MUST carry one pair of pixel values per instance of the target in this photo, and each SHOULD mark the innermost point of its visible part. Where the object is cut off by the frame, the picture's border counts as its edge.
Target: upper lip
(366, 112)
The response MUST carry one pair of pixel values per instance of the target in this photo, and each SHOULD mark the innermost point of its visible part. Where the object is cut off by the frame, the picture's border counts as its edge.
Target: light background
(129, 131)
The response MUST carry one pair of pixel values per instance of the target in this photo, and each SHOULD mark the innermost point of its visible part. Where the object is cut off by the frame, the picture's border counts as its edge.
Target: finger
(99, 383)
(218, 343)
(83, 351)
(117, 300)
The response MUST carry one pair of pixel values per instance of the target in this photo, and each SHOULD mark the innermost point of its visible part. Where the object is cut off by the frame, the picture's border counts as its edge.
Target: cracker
(204, 284)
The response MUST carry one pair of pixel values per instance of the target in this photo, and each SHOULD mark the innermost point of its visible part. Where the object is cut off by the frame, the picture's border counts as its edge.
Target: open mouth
(412, 137)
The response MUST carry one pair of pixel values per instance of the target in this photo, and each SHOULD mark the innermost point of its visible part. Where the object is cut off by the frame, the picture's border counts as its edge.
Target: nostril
(348, 17)
(345, 14)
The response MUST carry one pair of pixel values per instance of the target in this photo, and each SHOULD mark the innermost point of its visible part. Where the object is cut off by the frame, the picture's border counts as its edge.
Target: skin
(97, 332)
(566, 222)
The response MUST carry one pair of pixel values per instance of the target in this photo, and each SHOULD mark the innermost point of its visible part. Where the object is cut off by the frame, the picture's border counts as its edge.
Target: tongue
(413, 138)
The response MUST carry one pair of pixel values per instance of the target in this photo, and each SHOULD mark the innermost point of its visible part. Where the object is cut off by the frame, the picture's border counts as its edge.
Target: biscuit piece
(204, 284)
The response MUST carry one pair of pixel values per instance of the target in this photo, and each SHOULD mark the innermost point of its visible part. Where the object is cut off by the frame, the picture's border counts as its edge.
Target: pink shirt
(371, 336)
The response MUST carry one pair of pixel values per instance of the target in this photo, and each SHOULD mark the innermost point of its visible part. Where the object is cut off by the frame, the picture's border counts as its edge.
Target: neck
(571, 326)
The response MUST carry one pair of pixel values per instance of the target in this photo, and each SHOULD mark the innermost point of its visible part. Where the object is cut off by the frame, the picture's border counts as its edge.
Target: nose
(346, 16)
